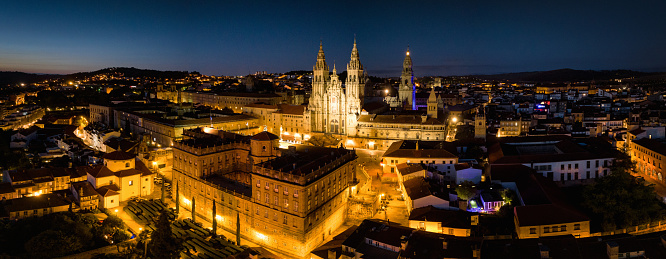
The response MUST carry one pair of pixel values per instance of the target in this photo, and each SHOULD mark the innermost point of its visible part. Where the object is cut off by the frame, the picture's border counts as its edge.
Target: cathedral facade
(334, 108)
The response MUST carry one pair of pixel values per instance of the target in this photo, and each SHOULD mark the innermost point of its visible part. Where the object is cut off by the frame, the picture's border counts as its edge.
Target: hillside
(566, 75)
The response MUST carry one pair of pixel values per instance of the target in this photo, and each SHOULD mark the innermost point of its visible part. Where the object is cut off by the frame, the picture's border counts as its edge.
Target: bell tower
(354, 91)
(407, 89)
(432, 104)
(480, 123)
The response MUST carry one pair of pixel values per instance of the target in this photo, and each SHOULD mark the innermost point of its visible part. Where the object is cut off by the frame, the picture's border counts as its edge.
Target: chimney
(544, 251)
(612, 249)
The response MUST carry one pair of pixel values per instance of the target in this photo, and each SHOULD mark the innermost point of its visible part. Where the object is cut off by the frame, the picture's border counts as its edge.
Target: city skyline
(236, 39)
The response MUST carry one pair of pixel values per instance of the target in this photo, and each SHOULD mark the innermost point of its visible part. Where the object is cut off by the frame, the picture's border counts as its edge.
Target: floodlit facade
(287, 200)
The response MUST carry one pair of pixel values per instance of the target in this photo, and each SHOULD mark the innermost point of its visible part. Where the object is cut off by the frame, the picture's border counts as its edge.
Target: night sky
(236, 38)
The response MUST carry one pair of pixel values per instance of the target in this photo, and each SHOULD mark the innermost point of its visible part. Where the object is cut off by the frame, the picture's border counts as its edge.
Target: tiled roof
(48, 200)
(547, 214)
(417, 188)
(291, 109)
(406, 169)
(108, 190)
(86, 187)
(448, 218)
(118, 155)
(265, 135)
(99, 171)
(406, 149)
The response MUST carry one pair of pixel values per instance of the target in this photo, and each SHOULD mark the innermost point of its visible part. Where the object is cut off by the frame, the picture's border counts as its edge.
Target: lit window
(131, 183)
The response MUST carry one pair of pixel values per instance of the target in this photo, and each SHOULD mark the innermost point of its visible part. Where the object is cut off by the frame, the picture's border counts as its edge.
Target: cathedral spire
(320, 55)
(355, 60)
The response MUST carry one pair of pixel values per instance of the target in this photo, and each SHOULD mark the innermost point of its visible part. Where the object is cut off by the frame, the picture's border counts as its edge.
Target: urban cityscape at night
(332, 130)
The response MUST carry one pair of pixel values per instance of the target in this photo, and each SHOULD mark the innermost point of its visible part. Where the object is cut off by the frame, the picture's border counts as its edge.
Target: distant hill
(133, 72)
(566, 75)
(15, 78)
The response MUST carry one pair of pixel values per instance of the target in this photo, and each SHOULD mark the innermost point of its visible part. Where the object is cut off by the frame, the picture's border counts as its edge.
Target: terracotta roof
(405, 149)
(400, 119)
(417, 188)
(127, 172)
(108, 190)
(86, 187)
(48, 200)
(448, 218)
(121, 144)
(636, 131)
(99, 171)
(265, 135)
(118, 155)
(651, 144)
(6, 188)
(261, 105)
(547, 214)
(139, 165)
(405, 169)
(291, 109)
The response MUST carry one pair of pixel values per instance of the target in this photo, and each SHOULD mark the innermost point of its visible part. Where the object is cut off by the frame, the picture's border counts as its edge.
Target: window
(532, 231)
(569, 166)
(576, 166)
(563, 228)
(296, 206)
(562, 167)
(268, 199)
(556, 229)
(111, 201)
(275, 200)
(546, 229)
(450, 231)
(576, 226)
(284, 219)
(588, 164)
(127, 164)
(131, 183)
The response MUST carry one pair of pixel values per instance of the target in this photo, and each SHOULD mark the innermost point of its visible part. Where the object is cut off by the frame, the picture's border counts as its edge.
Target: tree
(177, 200)
(194, 210)
(620, 201)
(52, 243)
(465, 132)
(163, 244)
(214, 219)
(466, 190)
(322, 141)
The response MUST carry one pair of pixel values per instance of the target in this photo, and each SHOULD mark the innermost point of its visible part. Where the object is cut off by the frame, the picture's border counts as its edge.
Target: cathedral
(337, 108)
(334, 108)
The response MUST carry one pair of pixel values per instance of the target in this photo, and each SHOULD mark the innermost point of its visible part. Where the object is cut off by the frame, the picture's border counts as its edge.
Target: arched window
(127, 164)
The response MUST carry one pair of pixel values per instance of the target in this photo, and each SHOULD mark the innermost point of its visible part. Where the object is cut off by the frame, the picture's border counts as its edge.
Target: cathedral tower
(480, 123)
(354, 90)
(407, 90)
(432, 104)
(320, 79)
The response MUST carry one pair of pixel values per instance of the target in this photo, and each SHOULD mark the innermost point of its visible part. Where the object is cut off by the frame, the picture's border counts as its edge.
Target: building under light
(289, 201)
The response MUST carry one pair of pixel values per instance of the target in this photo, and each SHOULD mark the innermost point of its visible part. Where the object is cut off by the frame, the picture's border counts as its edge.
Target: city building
(418, 194)
(287, 200)
(434, 154)
(121, 173)
(650, 157)
(35, 206)
(450, 222)
(558, 158)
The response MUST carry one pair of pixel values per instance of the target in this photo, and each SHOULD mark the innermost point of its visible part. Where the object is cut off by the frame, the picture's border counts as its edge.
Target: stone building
(287, 200)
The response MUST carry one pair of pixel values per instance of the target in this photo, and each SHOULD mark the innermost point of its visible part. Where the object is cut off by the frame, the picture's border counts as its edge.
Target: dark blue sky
(235, 38)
